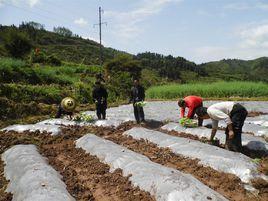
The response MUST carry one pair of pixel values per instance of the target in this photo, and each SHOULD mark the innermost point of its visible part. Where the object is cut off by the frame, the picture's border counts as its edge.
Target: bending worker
(66, 107)
(192, 102)
(100, 95)
(234, 116)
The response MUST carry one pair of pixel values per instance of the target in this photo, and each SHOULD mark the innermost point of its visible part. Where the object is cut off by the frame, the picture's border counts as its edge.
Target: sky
(198, 30)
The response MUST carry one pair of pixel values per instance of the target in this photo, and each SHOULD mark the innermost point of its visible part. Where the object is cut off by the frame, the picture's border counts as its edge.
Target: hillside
(235, 69)
(69, 47)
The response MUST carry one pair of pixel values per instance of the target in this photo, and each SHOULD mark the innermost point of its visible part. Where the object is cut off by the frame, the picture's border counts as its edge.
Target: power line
(100, 24)
(44, 16)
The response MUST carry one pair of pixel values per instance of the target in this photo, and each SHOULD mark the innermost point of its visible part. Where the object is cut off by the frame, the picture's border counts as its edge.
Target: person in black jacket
(137, 95)
(100, 95)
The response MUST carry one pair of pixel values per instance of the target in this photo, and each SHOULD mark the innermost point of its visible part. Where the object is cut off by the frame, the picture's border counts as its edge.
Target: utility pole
(100, 24)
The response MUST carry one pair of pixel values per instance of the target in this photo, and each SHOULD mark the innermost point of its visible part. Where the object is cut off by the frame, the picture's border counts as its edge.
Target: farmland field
(116, 159)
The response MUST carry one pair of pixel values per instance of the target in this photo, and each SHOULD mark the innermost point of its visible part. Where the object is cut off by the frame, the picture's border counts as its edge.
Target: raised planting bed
(209, 155)
(165, 184)
(30, 176)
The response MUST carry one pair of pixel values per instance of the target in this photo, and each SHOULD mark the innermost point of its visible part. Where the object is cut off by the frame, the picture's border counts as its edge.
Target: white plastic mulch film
(166, 184)
(63, 122)
(162, 111)
(248, 140)
(212, 156)
(31, 178)
(53, 129)
(158, 111)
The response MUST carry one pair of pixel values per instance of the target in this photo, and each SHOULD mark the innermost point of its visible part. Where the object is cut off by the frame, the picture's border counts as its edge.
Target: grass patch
(217, 90)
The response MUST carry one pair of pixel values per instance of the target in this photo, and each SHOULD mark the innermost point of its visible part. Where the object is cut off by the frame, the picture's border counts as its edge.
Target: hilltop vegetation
(62, 44)
(235, 69)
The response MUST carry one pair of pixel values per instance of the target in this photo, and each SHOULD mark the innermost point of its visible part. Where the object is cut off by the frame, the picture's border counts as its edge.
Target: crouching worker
(234, 116)
(66, 107)
(137, 95)
(100, 95)
(192, 102)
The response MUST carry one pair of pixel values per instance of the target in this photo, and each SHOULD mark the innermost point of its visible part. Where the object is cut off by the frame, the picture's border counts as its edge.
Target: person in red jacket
(192, 102)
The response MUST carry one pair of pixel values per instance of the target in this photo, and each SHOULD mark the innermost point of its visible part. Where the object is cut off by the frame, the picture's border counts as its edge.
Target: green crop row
(209, 90)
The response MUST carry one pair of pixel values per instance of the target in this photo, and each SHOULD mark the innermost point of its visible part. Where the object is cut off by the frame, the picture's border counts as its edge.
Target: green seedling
(140, 103)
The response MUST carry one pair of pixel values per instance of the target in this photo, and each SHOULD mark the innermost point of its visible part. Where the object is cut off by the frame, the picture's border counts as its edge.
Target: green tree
(121, 71)
(63, 31)
(17, 43)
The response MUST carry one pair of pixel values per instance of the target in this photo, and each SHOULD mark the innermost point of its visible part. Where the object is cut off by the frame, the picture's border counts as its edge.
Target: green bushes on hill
(38, 93)
(121, 71)
(16, 43)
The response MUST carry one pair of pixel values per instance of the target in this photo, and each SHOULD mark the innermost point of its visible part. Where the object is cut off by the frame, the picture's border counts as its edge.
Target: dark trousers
(61, 112)
(200, 121)
(101, 110)
(238, 116)
(138, 113)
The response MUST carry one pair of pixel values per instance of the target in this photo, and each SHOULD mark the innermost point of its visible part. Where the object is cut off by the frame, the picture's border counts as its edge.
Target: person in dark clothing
(100, 95)
(238, 116)
(137, 95)
(234, 114)
(66, 107)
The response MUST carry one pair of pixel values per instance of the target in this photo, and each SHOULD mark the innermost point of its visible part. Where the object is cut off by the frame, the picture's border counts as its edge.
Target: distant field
(210, 90)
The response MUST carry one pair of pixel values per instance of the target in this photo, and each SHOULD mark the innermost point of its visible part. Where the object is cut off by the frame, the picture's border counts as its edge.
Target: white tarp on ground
(31, 178)
(163, 111)
(63, 122)
(166, 184)
(212, 156)
(53, 129)
(250, 141)
(261, 120)
(157, 110)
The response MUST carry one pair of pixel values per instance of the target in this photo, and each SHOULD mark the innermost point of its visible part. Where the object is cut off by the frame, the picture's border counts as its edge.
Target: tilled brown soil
(255, 114)
(85, 176)
(3, 185)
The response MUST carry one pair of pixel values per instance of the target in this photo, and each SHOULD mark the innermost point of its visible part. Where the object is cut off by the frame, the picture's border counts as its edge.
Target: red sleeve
(182, 112)
(190, 111)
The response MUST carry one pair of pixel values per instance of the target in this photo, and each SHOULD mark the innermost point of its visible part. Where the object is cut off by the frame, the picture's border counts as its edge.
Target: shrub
(38, 93)
(17, 44)
(38, 57)
(83, 92)
(53, 60)
(121, 71)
